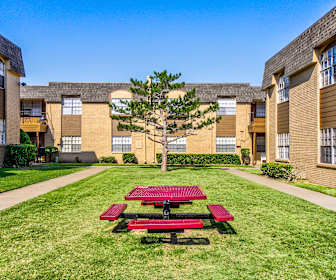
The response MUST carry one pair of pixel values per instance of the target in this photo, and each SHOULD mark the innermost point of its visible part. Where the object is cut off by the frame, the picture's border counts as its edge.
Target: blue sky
(107, 41)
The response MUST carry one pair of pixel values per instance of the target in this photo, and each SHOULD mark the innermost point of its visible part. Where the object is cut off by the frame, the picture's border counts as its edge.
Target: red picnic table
(166, 197)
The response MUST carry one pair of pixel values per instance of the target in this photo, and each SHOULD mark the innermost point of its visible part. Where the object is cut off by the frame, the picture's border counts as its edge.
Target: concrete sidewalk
(320, 199)
(13, 197)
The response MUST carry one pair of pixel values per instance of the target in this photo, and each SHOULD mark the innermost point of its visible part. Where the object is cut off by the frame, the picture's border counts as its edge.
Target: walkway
(13, 197)
(320, 199)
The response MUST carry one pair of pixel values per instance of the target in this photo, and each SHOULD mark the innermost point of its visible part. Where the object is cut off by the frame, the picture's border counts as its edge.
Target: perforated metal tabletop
(161, 193)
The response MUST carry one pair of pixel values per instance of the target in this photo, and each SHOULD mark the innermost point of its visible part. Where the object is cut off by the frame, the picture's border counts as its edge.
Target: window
(328, 145)
(117, 102)
(328, 67)
(178, 146)
(283, 146)
(31, 108)
(260, 143)
(283, 89)
(122, 144)
(71, 106)
(2, 74)
(2, 132)
(225, 144)
(71, 144)
(260, 110)
(227, 106)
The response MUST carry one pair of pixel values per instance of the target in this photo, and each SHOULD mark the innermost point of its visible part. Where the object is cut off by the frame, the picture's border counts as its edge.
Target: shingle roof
(99, 92)
(13, 53)
(299, 53)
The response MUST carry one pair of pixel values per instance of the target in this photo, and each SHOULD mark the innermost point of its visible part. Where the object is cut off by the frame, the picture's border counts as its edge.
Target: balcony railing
(33, 123)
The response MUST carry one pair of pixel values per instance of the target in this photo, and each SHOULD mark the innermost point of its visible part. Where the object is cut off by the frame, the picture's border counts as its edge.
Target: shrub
(107, 160)
(200, 159)
(19, 155)
(24, 138)
(245, 153)
(278, 170)
(129, 158)
(51, 152)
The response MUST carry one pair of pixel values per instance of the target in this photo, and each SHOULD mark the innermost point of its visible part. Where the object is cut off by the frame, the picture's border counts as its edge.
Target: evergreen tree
(153, 113)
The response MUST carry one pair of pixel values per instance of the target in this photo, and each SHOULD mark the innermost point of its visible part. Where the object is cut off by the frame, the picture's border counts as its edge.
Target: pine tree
(153, 113)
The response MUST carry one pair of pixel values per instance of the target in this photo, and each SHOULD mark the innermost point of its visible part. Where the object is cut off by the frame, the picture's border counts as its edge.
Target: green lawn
(59, 235)
(11, 178)
(301, 184)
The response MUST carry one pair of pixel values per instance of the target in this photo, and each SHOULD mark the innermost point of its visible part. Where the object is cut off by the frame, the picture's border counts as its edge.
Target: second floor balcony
(33, 122)
(257, 123)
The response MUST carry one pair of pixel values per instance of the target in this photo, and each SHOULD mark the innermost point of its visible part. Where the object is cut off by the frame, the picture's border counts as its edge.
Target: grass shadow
(222, 227)
(121, 227)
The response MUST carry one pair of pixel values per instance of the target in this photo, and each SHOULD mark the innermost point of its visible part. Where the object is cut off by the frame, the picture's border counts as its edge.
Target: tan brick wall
(303, 127)
(243, 137)
(271, 124)
(96, 129)
(96, 132)
(12, 108)
(54, 117)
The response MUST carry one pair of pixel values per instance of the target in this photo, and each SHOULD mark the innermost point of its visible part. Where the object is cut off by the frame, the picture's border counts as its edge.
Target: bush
(19, 155)
(24, 138)
(129, 158)
(51, 152)
(278, 170)
(245, 153)
(200, 159)
(107, 160)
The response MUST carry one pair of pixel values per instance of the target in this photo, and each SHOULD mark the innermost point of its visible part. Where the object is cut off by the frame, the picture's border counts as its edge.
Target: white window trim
(2, 132)
(328, 67)
(283, 146)
(72, 140)
(225, 144)
(125, 143)
(177, 146)
(328, 140)
(71, 106)
(116, 102)
(283, 89)
(226, 106)
(3, 73)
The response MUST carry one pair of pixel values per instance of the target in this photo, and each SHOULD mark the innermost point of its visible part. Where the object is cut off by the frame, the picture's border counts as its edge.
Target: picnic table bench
(166, 197)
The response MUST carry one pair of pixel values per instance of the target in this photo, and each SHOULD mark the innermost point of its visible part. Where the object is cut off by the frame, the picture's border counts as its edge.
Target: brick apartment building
(79, 121)
(11, 69)
(300, 83)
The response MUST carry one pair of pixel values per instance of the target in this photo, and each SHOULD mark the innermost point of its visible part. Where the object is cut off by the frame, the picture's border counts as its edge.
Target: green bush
(51, 152)
(19, 155)
(24, 138)
(245, 153)
(200, 159)
(278, 170)
(107, 160)
(129, 158)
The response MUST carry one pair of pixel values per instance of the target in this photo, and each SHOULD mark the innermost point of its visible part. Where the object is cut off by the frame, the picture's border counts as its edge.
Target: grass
(11, 178)
(301, 184)
(59, 235)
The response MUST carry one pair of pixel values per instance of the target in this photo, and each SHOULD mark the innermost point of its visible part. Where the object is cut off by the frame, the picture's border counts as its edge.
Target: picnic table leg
(166, 209)
(173, 238)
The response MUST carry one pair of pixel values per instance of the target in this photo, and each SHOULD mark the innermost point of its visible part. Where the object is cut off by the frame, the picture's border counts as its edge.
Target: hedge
(200, 159)
(19, 155)
(24, 138)
(107, 160)
(278, 170)
(129, 158)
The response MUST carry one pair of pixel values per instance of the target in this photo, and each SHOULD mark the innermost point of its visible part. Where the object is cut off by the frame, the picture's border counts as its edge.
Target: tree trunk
(164, 157)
